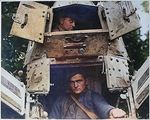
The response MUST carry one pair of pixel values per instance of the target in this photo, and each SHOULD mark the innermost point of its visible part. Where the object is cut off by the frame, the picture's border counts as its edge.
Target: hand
(117, 113)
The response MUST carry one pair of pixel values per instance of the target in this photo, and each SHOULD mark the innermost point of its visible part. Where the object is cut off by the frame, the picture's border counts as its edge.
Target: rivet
(48, 40)
(117, 60)
(38, 54)
(30, 66)
(35, 74)
(52, 59)
(35, 64)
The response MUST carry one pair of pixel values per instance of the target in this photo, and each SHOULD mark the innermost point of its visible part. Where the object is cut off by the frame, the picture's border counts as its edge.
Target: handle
(25, 21)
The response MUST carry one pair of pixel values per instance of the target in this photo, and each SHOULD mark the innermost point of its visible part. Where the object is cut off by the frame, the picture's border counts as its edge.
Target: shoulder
(92, 92)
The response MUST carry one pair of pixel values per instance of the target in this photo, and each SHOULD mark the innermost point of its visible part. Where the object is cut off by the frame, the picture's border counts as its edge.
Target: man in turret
(66, 107)
(65, 24)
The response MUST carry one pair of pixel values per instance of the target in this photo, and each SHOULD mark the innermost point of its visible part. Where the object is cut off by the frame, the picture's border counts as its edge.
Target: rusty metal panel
(29, 21)
(76, 45)
(116, 72)
(121, 18)
(80, 45)
(34, 51)
(38, 76)
(140, 84)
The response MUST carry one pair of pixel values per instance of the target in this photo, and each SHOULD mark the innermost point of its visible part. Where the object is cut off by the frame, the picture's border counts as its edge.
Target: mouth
(77, 89)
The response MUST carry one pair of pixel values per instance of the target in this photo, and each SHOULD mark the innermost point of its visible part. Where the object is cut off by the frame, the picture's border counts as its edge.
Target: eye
(79, 81)
(72, 82)
(71, 21)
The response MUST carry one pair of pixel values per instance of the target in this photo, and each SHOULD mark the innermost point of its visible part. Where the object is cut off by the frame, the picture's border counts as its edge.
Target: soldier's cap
(72, 72)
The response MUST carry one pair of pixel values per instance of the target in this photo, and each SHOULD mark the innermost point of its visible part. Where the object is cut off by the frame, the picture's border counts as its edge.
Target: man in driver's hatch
(69, 106)
(65, 24)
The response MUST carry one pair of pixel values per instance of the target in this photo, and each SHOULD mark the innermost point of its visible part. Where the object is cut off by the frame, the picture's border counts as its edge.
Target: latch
(125, 16)
(76, 39)
(16, 19)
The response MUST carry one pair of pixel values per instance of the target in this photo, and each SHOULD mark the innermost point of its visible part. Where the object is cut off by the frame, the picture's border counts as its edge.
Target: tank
(95, 46)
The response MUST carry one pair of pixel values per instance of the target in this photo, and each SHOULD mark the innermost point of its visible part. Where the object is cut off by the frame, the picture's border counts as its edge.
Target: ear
(86, 82)
(61, 20)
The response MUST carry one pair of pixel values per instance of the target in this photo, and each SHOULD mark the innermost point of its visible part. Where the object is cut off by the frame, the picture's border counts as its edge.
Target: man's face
(78, 84)
(67, 23)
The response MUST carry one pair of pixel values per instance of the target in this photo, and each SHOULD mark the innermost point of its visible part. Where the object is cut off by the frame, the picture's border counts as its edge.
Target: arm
(101, 106)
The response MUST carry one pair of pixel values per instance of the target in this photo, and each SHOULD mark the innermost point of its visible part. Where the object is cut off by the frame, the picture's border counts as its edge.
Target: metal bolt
(48, 40)
(36, 64)
(51, 84)
(52, 59)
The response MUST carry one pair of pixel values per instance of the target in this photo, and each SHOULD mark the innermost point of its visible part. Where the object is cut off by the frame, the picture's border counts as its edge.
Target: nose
(73, 24)
(75, 84)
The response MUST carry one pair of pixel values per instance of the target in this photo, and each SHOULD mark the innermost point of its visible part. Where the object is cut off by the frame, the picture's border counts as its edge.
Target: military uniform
(66, 108)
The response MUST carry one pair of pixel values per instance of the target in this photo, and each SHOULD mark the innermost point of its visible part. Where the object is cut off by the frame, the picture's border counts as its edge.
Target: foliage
(13, 48)
(138, 50)
(146, 6)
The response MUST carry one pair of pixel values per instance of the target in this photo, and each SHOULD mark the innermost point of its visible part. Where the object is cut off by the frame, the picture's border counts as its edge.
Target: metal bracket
(16, 19)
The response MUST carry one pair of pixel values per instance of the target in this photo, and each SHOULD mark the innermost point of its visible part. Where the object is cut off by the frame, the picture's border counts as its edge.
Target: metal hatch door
(140, 84)
(121, 18)
(12, 92)
(117, 73)
(29, 21)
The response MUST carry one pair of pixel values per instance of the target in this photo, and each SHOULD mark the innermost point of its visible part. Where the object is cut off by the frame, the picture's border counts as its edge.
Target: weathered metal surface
(80, 45)
(31, 20)
(140, 84)
(34, 51)
(12, 92)
(102, 17)
(75, 32)
(49, 20)
(132, 114)
(117, 24)
(117, 47)
(116, 72)
(38, 76)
